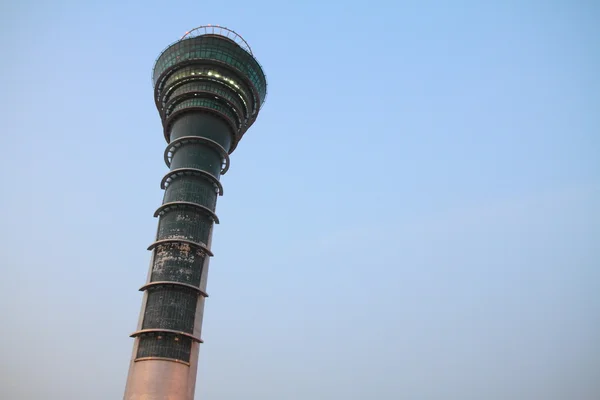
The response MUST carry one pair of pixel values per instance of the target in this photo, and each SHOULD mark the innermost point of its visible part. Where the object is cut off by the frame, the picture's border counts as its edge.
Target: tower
(208, 89)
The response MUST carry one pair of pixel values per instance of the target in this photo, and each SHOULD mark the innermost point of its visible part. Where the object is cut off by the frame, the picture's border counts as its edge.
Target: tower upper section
(210, 69)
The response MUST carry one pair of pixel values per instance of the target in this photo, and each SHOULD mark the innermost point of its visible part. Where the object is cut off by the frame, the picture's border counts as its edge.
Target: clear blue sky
(415, 214)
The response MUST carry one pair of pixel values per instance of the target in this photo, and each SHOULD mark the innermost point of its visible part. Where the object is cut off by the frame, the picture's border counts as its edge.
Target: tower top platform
(218, 30)
(210, 69)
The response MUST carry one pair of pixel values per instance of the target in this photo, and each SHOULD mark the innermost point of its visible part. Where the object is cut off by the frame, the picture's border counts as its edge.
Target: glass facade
(176, 262)
(199, 156)
(170, 307)
(193, 189)
(208, 104)
(201, 125)
(210, 74)
(165, 345)
(183, 223)
(195, 88)
(213, 48)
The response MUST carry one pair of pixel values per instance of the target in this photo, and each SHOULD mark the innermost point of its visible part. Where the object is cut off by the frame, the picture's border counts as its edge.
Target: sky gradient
(413, 216)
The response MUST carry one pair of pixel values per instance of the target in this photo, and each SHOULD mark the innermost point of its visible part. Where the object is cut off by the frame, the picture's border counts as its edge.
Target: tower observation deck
(208, 89)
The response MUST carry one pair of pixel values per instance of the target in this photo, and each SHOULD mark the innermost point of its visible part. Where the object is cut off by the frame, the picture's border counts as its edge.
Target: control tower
(208, 89)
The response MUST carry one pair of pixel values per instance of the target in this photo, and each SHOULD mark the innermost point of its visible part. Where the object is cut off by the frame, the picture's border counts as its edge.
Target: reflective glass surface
(214, 49)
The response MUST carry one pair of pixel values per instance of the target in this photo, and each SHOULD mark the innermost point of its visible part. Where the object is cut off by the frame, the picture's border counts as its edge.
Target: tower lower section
(168, 337)
(155, 379)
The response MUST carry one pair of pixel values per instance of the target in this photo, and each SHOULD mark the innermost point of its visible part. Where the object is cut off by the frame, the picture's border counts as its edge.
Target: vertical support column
(164, 363)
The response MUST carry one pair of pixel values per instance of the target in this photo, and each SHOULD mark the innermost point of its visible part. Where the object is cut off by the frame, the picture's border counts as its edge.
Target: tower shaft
(166, 349)
(208, 89)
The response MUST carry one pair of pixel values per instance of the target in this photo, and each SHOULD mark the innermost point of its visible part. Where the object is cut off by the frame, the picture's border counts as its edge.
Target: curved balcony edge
(161, 359)
(176, 204)
(173, 283)
(197, 245)
(159, 330)
(191, 172)
(177, 143)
